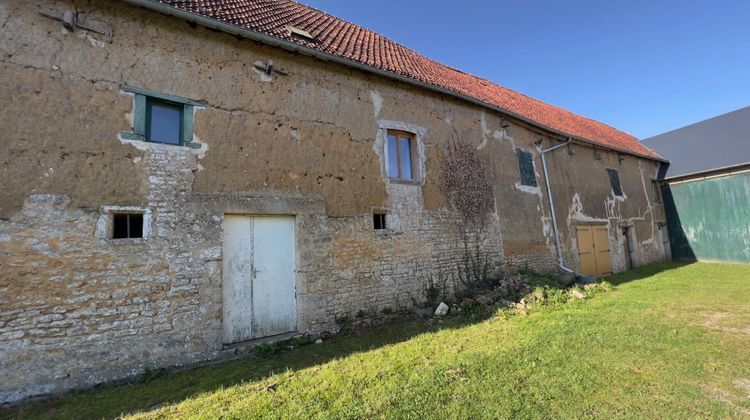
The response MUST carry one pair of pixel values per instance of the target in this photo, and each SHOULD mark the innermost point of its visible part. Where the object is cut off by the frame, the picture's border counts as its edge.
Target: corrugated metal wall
(709, 219)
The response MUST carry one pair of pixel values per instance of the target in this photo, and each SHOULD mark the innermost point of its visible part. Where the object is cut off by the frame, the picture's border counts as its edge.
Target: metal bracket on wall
(72, 22)
(268, 68)
(571, 152)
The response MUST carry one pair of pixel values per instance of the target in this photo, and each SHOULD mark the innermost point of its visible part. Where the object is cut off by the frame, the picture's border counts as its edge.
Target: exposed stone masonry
(78, 308)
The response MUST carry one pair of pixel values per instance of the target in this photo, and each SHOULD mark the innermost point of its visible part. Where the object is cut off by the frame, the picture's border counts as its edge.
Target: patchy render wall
(78, 308)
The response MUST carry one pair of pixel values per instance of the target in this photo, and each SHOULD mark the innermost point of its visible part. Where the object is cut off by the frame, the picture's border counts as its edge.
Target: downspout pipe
(558, 248)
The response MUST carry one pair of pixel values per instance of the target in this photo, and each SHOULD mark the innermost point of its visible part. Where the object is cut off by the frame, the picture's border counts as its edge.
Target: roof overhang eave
(237, 30)
(710, 173)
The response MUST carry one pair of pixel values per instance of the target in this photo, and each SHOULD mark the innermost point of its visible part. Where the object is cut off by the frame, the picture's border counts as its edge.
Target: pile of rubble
(521, 292)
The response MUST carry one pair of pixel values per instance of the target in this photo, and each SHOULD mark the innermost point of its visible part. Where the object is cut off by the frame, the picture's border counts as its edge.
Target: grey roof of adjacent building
(715, 143)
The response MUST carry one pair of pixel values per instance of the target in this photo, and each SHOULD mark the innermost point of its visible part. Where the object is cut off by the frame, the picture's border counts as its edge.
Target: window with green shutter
(526, 168)
(162, 118)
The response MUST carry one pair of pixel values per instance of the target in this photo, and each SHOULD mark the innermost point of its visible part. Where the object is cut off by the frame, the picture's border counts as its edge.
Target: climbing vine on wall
(467, 188)
(466, 184)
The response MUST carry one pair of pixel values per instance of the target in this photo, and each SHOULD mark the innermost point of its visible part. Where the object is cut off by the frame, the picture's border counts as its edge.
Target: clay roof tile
(339, 37)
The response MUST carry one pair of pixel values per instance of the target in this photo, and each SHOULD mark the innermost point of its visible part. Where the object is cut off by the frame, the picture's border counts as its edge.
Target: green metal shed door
(709, 219)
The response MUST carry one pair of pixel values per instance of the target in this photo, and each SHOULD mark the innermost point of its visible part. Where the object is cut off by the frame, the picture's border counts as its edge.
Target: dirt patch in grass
(721, 321)
(731, 398)
(744, 386)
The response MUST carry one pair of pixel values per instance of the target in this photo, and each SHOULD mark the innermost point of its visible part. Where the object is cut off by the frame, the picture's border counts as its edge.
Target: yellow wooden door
(586, 250)
(601, 248)
(593, 249)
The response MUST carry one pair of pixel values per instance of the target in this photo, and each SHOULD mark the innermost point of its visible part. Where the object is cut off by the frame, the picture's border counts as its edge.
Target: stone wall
(78, 308)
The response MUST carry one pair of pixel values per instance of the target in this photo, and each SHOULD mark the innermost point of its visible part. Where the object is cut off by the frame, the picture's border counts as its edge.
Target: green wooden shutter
(526, 167)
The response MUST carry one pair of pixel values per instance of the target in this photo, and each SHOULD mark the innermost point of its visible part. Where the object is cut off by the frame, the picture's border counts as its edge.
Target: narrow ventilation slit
(378, 220)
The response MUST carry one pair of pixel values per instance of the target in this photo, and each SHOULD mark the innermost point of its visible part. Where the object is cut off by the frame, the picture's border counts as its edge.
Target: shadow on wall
(678, 241)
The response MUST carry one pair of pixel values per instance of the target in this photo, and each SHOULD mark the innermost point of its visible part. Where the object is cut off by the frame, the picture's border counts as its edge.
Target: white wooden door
(259, 277)
(274, 300)
(238, 269)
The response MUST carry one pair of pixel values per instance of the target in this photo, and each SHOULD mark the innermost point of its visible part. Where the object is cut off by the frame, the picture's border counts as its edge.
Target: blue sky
(645, 67)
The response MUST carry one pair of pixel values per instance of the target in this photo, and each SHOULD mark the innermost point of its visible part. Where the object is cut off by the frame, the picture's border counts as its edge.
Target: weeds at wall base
(482, 298)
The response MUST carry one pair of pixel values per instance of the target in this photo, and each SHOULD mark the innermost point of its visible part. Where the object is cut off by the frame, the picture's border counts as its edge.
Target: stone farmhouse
(182, 178)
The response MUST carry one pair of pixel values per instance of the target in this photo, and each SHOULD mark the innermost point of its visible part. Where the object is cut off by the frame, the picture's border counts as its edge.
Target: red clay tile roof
(341, 38)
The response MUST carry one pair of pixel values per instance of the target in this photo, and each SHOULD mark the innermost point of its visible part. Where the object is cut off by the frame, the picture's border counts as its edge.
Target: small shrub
(555, 296)
(301, 341)
(473, 271)
(267, 349)
(387, 310)
(470, 309)
(514, 288)
(550, 280)
(150, 374)
(361, 314)
(434, 290)
(343, 321)
(595, 289)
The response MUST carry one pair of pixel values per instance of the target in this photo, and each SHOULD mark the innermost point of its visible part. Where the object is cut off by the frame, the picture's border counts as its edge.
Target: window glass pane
(392, 156)
(164, 122)
(136, 226)
(119, 226)
(614, 180)
(406, 158)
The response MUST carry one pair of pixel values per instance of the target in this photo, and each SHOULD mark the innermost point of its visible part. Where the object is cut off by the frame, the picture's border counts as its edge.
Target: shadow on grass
(645, 271)
(166, 387)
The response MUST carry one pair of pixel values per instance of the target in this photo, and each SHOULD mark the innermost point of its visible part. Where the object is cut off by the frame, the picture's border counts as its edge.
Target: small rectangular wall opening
(614, 181)
(657, 191)
(127, 225)
(626, 232)
(526, 168)
(378, 221)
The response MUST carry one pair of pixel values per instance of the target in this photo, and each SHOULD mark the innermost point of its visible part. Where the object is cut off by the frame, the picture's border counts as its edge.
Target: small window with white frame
(401, 150)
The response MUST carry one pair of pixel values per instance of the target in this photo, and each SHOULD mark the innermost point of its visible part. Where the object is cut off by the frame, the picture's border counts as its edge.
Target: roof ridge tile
(357, 43)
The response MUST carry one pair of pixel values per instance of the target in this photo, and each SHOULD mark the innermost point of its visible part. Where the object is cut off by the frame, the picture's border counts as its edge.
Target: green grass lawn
(670, 341)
